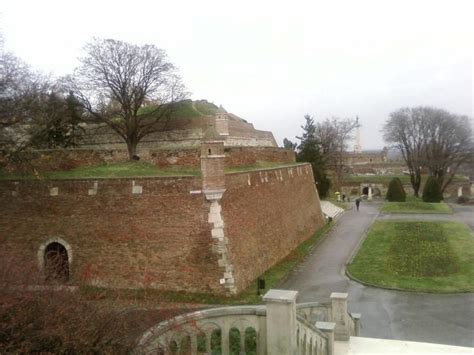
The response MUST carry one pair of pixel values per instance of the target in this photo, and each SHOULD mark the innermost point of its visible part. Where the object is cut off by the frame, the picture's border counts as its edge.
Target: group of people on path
(357, 201)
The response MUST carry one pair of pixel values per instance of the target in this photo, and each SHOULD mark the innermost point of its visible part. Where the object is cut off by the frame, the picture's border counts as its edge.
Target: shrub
(463, 199)
(396, 192)
(432, 191)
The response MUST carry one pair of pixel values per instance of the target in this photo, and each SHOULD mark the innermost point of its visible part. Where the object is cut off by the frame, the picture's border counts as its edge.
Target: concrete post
(459, 191)
(328, 329)
(369, 196)
(356, 319)
(340, 315)
(281, 321)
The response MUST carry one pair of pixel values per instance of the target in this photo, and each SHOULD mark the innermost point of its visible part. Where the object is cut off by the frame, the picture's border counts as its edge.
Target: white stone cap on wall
(213, 156)
(326, 326)
(338, 296)
(283, 296)
(214, 194)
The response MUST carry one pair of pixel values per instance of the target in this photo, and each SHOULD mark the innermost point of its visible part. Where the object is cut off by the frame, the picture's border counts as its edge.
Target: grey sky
(272, 62)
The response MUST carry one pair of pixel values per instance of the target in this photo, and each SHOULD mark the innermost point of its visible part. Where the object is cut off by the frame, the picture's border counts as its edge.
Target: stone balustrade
(278, 327)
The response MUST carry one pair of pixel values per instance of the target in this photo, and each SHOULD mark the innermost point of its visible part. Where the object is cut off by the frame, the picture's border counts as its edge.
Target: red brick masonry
(159, 238)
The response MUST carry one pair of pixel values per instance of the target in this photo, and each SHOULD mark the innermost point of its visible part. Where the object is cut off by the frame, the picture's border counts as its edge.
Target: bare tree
(405, 131)
(333, 136)
(431, 138)
(19, 88)
(128, 87)
(448, 144)
(20, 93)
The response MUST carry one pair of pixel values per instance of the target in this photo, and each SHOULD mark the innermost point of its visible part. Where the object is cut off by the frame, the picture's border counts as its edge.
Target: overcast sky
(272, 62)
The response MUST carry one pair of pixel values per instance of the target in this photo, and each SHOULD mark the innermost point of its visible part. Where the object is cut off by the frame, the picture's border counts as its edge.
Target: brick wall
(159, 239)
(155, 232)
(267, 214)
(245, 156)
(54, 160)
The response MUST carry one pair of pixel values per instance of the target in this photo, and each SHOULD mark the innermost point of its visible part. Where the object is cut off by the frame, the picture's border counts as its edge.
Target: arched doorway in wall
(376, 192)
(365, 190)
(56, 263)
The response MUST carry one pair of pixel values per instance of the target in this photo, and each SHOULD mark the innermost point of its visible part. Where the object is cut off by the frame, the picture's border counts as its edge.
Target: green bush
(432, 191)
(396, 192)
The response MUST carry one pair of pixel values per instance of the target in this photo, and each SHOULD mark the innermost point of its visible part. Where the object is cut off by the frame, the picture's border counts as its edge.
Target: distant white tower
(357, 145)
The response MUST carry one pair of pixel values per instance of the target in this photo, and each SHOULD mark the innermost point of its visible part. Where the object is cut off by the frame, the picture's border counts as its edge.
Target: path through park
(436, 318)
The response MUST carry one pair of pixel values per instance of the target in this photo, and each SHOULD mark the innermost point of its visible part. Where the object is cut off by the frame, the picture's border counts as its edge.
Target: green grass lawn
(132, 169)
(417, 256)
(116, 170)
(413, 205)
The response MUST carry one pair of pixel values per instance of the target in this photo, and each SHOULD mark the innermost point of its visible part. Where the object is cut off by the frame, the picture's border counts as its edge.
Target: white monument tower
(357, 145)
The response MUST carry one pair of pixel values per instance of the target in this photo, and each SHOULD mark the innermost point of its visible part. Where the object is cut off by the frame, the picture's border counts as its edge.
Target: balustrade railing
(278, 327)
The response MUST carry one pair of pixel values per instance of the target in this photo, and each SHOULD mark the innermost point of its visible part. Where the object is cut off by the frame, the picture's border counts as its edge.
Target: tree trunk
(132, 149)
(415, 180)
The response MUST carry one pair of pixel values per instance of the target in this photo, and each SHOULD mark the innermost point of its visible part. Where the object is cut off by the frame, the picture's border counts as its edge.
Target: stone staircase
(330, 210)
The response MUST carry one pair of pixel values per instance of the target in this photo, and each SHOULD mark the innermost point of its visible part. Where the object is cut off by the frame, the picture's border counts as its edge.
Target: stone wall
(266, 215)
(352, 189)
(54, 160)
(182, 133)
(162, 233)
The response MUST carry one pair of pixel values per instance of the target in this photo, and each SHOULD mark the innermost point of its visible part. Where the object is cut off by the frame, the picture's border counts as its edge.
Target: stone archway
(56, 263)
(376, 192)
(55, 257)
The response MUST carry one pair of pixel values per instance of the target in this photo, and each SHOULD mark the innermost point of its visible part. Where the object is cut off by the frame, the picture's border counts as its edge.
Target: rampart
(54, 159)
(162, 233)
(267, 214)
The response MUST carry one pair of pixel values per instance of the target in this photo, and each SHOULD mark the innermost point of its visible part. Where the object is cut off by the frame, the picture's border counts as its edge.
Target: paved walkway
(443, 319)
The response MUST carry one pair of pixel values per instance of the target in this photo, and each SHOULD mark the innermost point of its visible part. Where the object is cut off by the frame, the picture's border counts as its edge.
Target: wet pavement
(436, 318)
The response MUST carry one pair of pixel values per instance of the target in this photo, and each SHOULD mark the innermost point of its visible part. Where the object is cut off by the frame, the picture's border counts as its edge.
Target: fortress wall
(245, 156)
(355, 188)
(267, 214)
(54, 160)
(156, 232)
(157, 237)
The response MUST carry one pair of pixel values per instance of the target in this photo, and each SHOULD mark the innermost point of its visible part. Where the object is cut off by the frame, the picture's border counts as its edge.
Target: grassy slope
(418, 256)
(187, 109)
(115, 170)
(133, 169)
(415, 206)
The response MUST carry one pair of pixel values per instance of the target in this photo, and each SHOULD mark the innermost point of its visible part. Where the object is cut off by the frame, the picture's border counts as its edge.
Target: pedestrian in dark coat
(357, 203)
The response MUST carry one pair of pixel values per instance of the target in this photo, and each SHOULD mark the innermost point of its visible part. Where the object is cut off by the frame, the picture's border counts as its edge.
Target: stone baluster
(194, 349)
(261, 331)
(242, 341)
(281, 321)
(328, 329)
(225, 345)
(208, 341)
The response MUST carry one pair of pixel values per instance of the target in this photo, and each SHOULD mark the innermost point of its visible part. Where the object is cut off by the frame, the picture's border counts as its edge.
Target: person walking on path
(357, 203)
